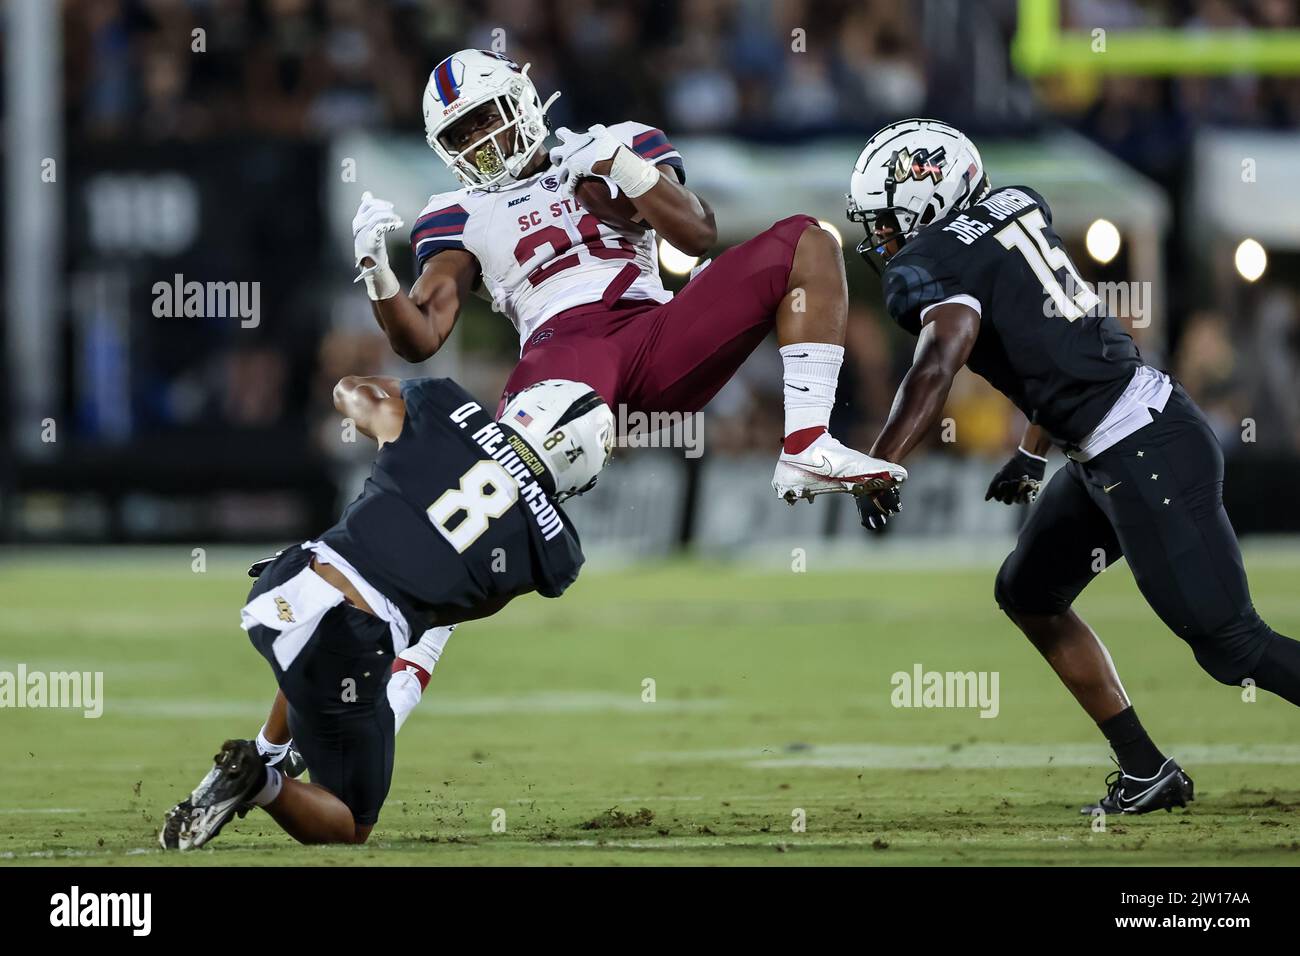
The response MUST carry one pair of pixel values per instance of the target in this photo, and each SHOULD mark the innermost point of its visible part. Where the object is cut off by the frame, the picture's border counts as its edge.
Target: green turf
(772, 690)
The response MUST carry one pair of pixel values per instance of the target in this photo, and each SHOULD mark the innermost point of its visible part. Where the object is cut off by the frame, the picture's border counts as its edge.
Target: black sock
(1137, 755)
(1279, 669)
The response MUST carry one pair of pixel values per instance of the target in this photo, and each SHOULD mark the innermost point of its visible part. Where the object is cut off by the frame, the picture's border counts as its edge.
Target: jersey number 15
(1025, 234)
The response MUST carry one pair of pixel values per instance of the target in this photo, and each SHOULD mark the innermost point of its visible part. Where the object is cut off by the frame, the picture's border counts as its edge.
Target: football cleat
(826, 466)
(238, 773)
(1168, 788)
(175, 820)
(290, 763)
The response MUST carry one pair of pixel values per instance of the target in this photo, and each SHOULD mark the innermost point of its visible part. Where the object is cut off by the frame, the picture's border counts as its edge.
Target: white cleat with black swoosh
(826, 467)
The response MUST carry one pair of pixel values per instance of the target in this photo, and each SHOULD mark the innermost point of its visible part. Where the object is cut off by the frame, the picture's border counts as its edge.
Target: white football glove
(578, 152)
(374, 220)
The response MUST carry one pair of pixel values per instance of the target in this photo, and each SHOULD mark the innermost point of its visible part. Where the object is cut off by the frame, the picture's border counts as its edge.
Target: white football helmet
(462, 83)
(569, 427)
(910, 174)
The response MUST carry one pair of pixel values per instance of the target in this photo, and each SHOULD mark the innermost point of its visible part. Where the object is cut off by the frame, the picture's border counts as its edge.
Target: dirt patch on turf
(616, 819)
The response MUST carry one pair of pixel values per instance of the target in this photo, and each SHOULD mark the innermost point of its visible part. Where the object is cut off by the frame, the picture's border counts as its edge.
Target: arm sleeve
(913, 283)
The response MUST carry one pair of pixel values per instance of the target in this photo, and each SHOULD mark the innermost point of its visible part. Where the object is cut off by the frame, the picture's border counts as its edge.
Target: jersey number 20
(485, 492)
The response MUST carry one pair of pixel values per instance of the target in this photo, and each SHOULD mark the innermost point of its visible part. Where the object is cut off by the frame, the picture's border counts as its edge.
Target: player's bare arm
(418, 325)
(942, 348)
(374, 403)
(674, 212)
(1036, 440)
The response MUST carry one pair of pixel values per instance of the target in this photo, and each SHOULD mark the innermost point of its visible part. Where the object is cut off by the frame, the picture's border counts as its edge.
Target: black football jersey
(452, 522)
(1044, 341)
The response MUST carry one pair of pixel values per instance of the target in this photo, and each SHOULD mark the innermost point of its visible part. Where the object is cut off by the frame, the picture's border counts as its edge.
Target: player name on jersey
(1002, 205)
(520, 462)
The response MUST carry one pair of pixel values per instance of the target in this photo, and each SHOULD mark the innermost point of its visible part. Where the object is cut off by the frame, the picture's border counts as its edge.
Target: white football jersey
(541, 254)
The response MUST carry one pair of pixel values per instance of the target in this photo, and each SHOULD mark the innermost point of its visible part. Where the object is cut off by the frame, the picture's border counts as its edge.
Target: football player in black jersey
(460, 514)
(982, 280)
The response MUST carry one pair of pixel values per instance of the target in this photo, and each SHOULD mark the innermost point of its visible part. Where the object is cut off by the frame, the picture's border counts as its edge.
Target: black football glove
(875, 509)
(1018, 481)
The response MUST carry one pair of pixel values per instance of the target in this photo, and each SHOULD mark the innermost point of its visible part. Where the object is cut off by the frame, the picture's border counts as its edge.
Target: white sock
(405, 687)
(426, 651)
(271, 789)
(812, 370)
(267, 749)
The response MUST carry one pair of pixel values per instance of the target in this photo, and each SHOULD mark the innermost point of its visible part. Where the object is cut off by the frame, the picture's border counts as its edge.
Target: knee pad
(1231, 651)
(1017, 594)
(1005, 591)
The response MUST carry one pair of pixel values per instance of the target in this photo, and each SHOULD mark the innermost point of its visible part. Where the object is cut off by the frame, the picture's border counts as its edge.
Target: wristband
(1030, 454)
(632, 174)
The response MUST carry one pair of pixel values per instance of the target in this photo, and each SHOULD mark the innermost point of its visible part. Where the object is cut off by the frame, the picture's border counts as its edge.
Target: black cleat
(238, 773)
(290, 763)
(177, 817)
(1169, 788)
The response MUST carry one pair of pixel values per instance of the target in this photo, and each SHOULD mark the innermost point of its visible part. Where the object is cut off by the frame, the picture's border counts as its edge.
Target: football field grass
(678, 713)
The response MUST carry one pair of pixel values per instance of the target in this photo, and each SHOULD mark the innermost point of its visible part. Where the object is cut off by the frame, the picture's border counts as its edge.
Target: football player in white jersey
(585, 294)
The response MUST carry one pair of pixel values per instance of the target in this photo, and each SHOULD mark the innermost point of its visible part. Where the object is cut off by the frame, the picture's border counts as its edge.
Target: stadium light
(832, 230)
(674, 260)
(1102, 240)
(1250, 259)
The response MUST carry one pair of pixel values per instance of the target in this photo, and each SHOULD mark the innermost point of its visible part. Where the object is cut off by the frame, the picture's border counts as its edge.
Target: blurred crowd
(138, 68)
(140, 71)
(300, 67)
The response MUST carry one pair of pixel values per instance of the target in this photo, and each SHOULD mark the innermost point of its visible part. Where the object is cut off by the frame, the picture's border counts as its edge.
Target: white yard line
(12, 810)
(551, 702)
(968, 757)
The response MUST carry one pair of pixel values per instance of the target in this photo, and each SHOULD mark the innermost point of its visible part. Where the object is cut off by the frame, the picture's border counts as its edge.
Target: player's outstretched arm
(374, 402)
(942, 348)
(417, 325)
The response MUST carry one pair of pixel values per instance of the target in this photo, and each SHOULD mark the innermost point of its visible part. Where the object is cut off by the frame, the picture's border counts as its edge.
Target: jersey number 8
(485, 492)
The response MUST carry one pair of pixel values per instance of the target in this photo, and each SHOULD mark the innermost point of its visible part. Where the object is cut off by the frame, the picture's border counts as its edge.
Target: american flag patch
(523, 417)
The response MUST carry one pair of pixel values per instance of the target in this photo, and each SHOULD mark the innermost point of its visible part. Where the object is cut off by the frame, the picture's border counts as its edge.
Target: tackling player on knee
(420, 550)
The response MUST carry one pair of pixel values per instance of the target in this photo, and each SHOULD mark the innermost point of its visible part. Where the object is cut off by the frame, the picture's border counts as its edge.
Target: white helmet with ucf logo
(467, 80)
(910, 174)
(569, 427)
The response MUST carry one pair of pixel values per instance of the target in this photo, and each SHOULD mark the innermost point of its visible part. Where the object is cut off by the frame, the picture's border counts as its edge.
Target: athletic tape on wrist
(381, 282)
(632, 174)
